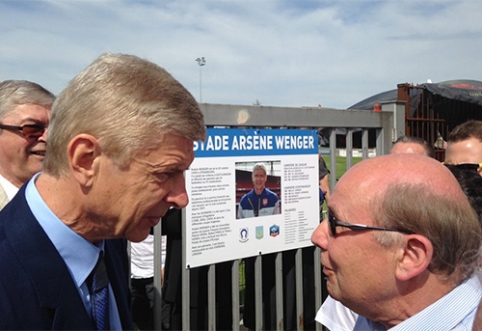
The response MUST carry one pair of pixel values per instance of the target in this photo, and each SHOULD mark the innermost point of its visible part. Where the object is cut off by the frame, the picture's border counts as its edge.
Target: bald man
(384, 246)
(332, 314)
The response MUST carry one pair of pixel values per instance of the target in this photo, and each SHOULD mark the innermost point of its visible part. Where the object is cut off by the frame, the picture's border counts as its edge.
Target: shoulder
(270, 193)
(247, 195)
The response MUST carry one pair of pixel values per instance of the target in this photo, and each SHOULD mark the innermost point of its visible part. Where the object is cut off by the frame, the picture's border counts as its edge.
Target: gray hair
(260, 166)
(20, 92)
(450, 224)
(126, 102)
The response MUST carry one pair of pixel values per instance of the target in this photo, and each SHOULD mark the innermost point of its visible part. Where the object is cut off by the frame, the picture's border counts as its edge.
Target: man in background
(324, 179)
(24, 118)
(120, 138)
(464, 146)
(412, 145)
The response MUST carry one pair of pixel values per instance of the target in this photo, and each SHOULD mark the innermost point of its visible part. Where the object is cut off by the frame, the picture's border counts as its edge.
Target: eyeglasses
(27, 130)
(466, 166)
(333, 223)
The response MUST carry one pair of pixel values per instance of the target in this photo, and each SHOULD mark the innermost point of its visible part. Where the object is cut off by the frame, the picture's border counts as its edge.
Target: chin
(138, 236)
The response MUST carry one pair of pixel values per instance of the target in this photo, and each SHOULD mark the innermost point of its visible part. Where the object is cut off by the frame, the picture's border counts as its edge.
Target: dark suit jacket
(37, 291)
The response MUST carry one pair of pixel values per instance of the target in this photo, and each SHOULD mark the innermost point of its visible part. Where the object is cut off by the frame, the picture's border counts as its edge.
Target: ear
(415, 257)
(83, 151)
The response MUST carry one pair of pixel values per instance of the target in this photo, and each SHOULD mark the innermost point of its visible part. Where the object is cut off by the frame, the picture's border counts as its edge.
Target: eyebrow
(30, 119)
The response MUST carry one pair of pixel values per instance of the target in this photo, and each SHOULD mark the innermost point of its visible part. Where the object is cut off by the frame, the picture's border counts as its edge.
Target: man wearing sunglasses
(464, 146)
(24, 117)
(332, 313)
(400, 246)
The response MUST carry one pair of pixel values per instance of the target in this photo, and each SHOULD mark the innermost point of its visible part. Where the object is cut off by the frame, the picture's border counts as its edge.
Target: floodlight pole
(201, 62)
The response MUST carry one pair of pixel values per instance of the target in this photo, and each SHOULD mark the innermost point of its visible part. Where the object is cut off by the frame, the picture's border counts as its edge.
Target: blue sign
(254, 142)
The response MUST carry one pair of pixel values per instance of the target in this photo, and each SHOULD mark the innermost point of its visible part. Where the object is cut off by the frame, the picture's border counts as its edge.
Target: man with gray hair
(120, 138)
(260, 201)
(24, 118)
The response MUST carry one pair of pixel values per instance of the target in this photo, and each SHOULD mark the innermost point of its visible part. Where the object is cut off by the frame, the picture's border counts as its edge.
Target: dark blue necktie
(98, 282)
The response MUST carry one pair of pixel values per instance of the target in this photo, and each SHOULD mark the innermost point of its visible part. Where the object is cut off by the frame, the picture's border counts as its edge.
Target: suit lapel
(54, 285)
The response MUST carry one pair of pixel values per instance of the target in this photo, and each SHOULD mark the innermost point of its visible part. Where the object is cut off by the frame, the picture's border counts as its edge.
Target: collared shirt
(9, 188)
(79, 255)
(335, 316)
(455, 311)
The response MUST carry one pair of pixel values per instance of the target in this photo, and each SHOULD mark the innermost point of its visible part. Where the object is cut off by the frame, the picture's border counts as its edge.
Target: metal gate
(384, 126)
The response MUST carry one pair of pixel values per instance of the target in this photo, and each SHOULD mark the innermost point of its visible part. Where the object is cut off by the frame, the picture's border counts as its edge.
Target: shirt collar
(9, 188)
(444, 314)
(79, 254)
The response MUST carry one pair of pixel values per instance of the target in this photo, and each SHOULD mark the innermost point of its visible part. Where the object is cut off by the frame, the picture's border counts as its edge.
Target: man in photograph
(260, 201)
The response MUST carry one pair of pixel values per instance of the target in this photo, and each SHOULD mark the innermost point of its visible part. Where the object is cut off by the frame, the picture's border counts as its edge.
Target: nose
(43, 137)
(320, 235)
(177, 197)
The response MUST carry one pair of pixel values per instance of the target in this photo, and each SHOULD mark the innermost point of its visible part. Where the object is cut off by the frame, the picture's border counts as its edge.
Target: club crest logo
(259, 232)
(274, 231)
(243, 235)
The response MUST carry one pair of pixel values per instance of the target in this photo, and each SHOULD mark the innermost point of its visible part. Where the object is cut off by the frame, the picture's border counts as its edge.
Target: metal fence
(359, 130)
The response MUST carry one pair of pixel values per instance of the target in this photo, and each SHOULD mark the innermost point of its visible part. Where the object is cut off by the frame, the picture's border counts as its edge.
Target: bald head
(419, 195)
(397, 169)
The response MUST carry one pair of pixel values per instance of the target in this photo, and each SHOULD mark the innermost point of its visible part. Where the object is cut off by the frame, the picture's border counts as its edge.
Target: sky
(295, 53)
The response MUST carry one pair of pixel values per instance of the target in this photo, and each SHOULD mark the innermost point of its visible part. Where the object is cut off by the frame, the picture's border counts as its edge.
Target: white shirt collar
(9, 188)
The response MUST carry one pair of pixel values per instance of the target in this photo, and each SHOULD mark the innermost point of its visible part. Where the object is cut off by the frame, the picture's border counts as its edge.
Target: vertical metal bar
(318, 283)
(349, 148)
(379, 141)
(332, 158)
(258, 293)
(365, 144)
(299, 289)
(212, 297)
(235, 294)
(185, 279)
(279, 291)
(157, 309)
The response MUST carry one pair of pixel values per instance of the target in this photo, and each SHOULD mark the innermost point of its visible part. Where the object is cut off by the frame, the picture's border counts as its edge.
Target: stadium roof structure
(461, 90)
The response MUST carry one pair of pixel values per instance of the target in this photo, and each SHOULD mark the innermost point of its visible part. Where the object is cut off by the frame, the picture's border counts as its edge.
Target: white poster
(252, 192)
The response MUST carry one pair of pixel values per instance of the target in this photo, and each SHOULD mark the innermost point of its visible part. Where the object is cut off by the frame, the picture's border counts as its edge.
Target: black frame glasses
(27, 130)
(333, 223)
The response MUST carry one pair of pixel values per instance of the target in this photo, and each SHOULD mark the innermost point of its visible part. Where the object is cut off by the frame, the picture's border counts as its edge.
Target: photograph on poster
(258, 189)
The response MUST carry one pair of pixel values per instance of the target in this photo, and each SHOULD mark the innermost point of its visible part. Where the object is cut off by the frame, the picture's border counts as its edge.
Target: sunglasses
(27, 130)
(466, 166)
(333, 223)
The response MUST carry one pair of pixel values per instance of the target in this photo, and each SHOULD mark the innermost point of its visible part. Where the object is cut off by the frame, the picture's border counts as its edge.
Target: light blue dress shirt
(455, 312)
(79, 255)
